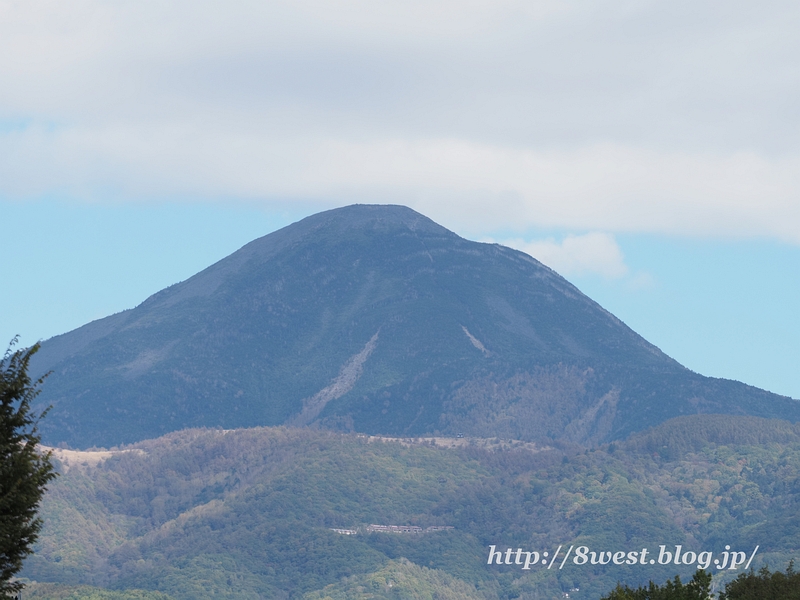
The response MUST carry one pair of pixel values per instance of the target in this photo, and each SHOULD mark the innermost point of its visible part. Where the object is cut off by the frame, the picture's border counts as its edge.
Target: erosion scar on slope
(475, 341)
(344, 382)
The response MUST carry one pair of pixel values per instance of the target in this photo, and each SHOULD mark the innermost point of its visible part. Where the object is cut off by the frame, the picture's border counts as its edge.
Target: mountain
(254, 513)
(373, 319)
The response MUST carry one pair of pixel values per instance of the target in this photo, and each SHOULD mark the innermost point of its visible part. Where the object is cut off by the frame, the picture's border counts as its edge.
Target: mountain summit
(378, 320)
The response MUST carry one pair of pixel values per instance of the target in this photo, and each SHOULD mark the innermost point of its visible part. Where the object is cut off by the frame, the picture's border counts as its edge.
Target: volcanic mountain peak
(336, 224)
(374, 319)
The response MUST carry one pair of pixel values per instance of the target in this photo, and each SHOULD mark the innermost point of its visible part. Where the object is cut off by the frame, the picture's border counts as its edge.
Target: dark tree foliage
(774, 586)
(699, 588)
(24, 471)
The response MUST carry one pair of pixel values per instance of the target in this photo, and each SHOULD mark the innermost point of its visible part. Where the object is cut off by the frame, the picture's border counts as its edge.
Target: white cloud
(641, 281)
(457, 182)
(591, 253)
(648, 116)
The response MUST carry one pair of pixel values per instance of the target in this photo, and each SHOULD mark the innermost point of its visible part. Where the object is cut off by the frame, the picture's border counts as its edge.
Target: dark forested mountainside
(252, 513)
(373, 319)
(57, 591)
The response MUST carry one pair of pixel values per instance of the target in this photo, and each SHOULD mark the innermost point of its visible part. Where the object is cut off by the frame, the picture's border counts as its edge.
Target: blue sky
(647, 150)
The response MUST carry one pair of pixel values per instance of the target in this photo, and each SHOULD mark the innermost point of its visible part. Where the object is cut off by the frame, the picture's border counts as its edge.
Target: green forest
(251, 513)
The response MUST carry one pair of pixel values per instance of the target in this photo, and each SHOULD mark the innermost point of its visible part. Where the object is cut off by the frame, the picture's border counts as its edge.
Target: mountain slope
(373, 319)
(253, 513)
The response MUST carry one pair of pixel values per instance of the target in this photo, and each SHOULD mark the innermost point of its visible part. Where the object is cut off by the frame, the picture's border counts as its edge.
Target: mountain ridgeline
(373, 319)
(291, 513)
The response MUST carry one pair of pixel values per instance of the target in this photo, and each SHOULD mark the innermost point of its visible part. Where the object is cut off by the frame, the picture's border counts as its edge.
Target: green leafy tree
(699, 588)
(24, 470)
(775, 586)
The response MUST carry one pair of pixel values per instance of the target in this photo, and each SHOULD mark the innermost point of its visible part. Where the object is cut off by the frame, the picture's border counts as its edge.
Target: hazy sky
(647, 150)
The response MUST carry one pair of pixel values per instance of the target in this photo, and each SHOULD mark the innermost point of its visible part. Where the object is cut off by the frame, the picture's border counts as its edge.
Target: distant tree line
(764, 585)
